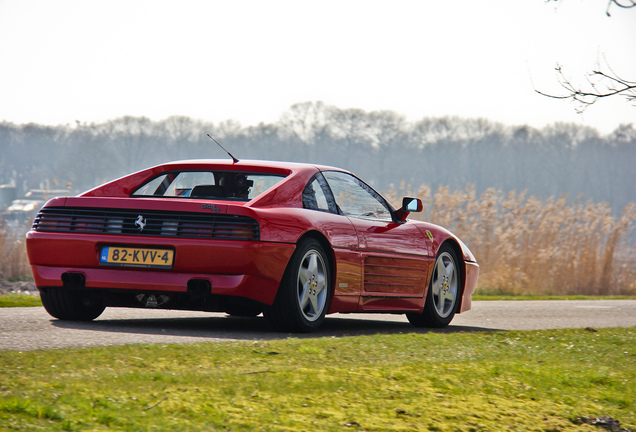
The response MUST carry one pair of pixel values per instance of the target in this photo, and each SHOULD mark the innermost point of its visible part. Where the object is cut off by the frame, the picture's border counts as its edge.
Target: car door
(395, 256)
(344, 242)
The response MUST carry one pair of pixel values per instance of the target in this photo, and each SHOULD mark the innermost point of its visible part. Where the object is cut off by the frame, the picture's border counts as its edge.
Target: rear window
(217, 185)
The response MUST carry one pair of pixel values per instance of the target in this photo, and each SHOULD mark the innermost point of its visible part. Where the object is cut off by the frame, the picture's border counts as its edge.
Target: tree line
(381, 147)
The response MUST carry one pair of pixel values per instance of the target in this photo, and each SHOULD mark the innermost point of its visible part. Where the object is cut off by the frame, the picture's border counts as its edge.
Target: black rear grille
(146, 223)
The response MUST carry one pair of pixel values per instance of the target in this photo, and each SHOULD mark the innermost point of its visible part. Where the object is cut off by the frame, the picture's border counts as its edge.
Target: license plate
(136, 257)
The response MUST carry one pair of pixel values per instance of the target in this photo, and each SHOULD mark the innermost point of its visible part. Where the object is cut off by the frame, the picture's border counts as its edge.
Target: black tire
(244, 309)
(305, 291)
(244, 313)
(444, 291)
(71, 305)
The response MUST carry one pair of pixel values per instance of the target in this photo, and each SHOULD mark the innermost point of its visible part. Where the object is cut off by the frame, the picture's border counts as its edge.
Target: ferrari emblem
(140, 223)
(430, 236)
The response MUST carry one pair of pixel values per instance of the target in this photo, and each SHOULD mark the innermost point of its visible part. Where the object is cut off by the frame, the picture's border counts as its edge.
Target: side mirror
(409, 205)
(412, 204)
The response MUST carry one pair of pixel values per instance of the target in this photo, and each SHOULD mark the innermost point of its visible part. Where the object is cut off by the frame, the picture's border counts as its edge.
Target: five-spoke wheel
(312, 285)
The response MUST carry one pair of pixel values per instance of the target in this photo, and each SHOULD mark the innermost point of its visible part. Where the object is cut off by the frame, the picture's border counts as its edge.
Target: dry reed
(527, 245)
(524, 245)
(14, 263)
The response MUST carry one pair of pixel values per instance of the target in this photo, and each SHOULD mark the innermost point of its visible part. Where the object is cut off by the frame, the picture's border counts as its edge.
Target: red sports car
(292, 241)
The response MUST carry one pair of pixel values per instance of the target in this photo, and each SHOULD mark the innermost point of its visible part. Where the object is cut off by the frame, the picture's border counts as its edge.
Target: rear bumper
(236, 268)
(249, 286)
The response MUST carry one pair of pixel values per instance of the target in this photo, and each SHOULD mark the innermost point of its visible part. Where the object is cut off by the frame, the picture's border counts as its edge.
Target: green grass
(19, 300)
(491, 297)
(521, 381)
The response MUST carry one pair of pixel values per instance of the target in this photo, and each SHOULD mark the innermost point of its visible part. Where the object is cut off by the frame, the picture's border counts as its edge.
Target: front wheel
(443, 292)
(303, 295)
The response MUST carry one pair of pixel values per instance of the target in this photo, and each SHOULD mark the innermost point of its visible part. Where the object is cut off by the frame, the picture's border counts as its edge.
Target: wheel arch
(324, 242)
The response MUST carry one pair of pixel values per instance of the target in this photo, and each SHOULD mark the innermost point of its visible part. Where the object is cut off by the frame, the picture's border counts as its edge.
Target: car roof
(248, 164)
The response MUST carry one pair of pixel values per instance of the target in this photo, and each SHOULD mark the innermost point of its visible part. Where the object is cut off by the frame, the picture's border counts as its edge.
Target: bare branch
(600, 84)
(625, 4)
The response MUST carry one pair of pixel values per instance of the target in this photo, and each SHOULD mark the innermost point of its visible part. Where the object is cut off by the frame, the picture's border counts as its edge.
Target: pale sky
(90, 61)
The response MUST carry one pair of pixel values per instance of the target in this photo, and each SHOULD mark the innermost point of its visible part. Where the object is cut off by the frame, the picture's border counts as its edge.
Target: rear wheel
(70, 304)
(303, 296)
(443, 292)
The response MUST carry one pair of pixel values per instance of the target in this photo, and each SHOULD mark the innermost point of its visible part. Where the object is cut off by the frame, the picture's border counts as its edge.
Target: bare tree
(305, 121)
(601, 83)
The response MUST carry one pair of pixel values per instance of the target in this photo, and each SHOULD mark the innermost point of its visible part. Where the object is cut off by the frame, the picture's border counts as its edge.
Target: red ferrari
(292, 241)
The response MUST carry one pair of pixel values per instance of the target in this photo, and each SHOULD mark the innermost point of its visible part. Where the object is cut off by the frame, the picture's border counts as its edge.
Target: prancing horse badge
(140, 222)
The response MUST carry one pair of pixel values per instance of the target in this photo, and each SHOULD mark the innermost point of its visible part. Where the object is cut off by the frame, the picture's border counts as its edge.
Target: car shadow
(236, 328)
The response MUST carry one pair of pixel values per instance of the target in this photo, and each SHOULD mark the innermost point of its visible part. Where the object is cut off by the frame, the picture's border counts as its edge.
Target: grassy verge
(522, 381)
(23, 300)
(486, 297)
(19, 300)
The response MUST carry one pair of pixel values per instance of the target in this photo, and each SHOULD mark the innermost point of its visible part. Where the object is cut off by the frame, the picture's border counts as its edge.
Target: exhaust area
(153, 300)
(199, 288)
(73, 280)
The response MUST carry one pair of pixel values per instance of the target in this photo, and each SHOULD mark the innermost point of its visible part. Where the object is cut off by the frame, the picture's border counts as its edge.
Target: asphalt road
(25, 329)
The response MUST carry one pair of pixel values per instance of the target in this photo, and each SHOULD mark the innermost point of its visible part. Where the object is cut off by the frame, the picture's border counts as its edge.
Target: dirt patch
(607, 423)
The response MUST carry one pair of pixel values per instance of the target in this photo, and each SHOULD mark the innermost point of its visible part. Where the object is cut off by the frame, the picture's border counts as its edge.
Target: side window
(355, 198)
(316, 195)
